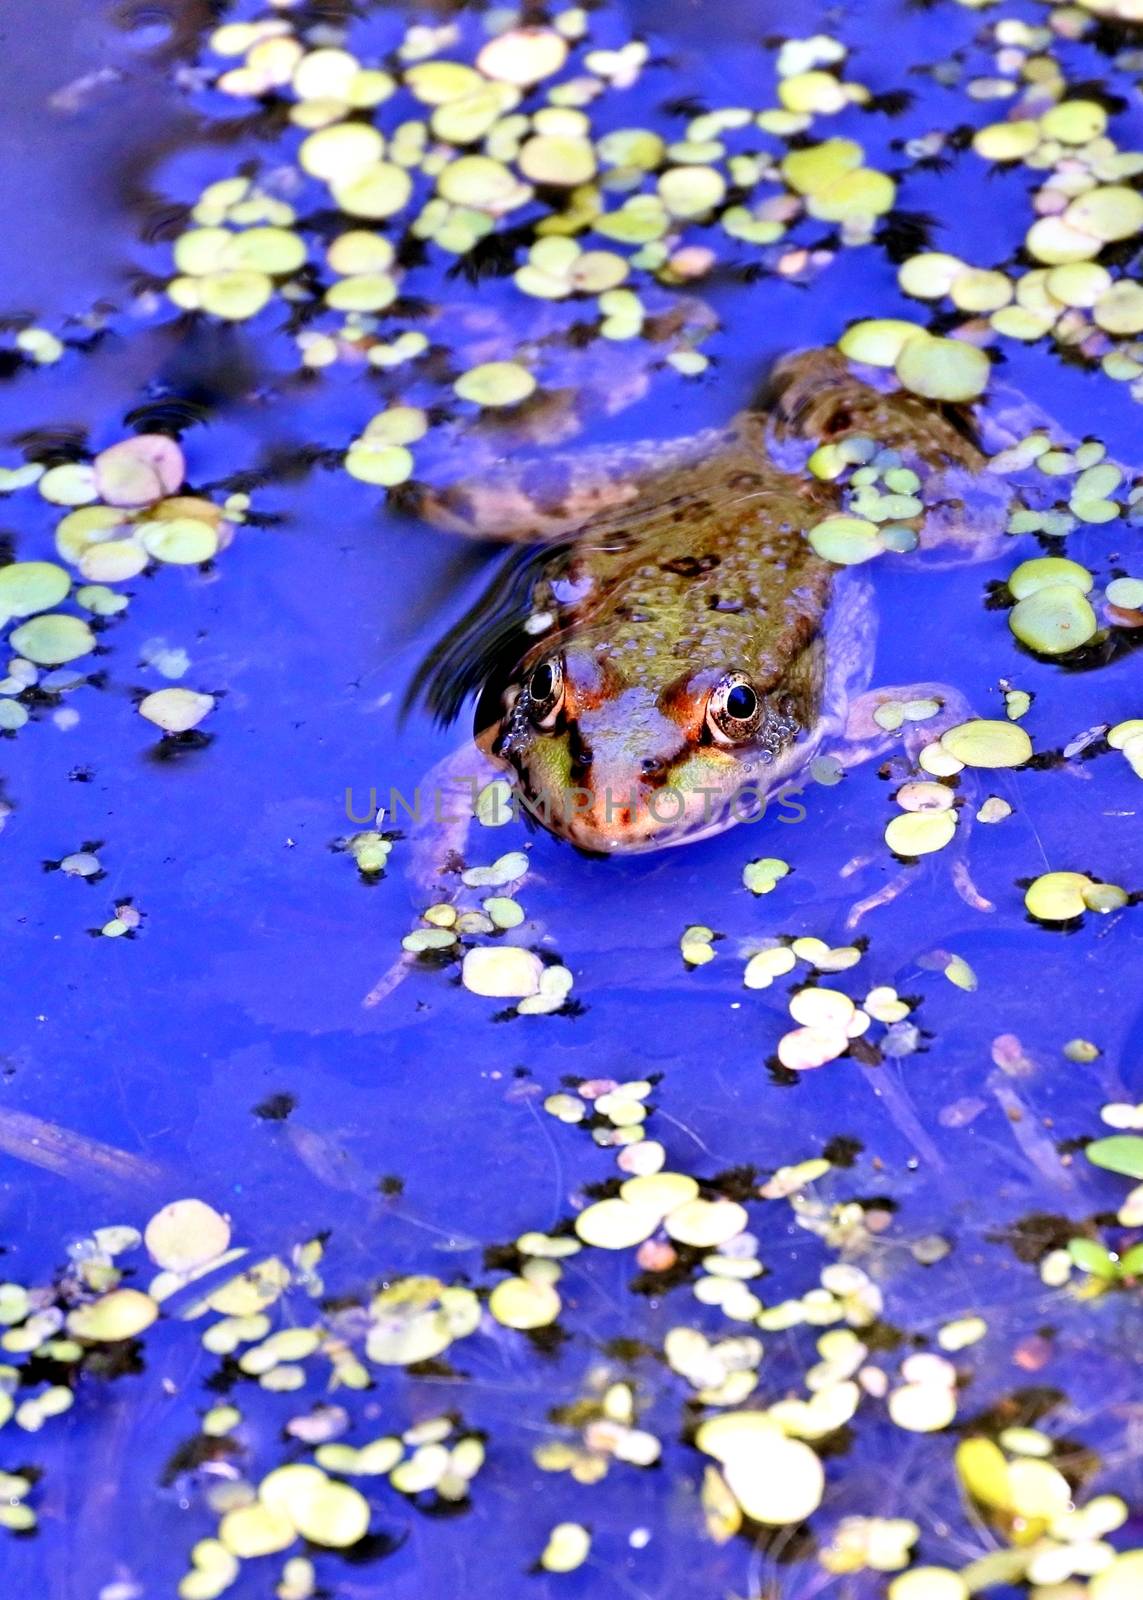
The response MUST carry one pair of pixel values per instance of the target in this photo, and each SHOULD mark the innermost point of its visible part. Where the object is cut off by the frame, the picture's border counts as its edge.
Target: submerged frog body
(688, 653)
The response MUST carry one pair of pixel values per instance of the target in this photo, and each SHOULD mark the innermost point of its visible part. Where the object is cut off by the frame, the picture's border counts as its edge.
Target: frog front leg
(458, 796)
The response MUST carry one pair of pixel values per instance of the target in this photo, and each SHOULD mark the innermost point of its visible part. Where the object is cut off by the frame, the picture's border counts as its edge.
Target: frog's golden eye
(546, 691)
(734, 709)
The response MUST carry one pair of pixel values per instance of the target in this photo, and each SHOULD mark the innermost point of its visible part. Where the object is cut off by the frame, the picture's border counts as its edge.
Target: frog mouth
(639, 817)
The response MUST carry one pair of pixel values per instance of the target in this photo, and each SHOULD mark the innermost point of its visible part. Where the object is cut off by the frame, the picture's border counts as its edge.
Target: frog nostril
(650, 765)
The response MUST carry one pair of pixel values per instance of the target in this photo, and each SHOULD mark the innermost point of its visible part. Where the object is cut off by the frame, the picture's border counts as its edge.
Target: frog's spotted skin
(696, 570)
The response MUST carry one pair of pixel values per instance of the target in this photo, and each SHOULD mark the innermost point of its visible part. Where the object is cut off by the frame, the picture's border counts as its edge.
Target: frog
(686, 653)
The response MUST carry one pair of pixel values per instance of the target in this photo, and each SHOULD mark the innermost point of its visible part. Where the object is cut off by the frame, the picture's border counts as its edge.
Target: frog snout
(625, 754)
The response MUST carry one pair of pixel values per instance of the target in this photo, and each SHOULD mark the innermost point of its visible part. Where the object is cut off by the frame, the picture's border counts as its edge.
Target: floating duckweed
(691, 191)
(255, 1530)
(493, 806)
(1017, 322)
(1119, 309)
(893, 714)
(30, 586)
(137, 471)
(186, 1234)
(568, 1547)
(863, 193)
(480, 182)
(182, 541)
(325, 74)
(1126, 593)
(397, 425)
(763, 875)
(983, 743)
(848, 541)
(376, 192)
(1007, 141)
(555, 986)
(812, 91)
(366, 291)
(1106, 213)
(326, 1512)
(565, 1107)
(233, 296)
(176, 710)
(978, 290)
(929, 276)
(616, 1224)
(922, 796)
(416, 1319)
(689, 362)
(696, 945)
(1053, 241)
(805, 1048)
(13, 716)
(879, 342)
(504, 912)
(523, 56)
(357, 252)
(464, 120)
(496, 383)
(929, 1583)
(763, 968)
(435, 83)
(1053, 619)
(1120, 1579)
(501, 972)
(82, 528)
(828, 1014)
(1074, 121)
(923, 1407)
(52, 639)
(820, 165)
(1121, 1154)
(943, 369)
(706, 1224)
(775, 1480)
(72, 484)
(524, 1303)
(558, 267)
(920, 833)
(1078, 283)
(372, 461)
(962, 1333)
(1124, 733)
(638, 148)
(1081, 1050)
(562, 161)
(1062, 896)
(507, 869)
(122, 1314)
(1043, 571)
(958, 972)
(341, 152)
(661, 1192)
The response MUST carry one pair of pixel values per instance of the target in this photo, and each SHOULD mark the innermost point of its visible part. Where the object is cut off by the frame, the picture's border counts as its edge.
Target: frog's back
(708, 561)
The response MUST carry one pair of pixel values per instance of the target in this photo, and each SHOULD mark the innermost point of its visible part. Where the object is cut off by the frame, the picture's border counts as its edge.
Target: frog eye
(734, 709)
(546, 691)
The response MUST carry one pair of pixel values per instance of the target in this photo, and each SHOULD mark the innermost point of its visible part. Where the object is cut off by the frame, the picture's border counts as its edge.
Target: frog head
(622, 759)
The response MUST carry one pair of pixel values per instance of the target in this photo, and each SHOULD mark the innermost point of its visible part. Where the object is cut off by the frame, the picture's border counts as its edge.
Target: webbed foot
(907, 719)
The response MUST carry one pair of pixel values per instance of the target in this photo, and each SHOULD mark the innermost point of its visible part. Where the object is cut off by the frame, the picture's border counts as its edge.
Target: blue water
(259, 941)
